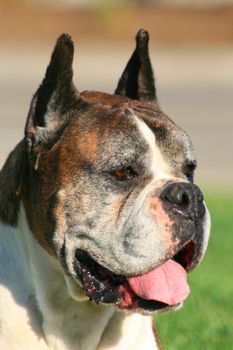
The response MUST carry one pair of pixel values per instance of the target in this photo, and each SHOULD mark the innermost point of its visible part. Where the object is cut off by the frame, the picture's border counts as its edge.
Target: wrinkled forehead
(173, 142)
(132, 127)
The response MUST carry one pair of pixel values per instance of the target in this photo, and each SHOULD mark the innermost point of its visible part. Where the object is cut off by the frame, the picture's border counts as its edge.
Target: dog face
(109, 189)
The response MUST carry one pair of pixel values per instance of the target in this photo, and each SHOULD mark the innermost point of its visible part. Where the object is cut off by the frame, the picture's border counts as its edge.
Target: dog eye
(189, 171)
(124, 174)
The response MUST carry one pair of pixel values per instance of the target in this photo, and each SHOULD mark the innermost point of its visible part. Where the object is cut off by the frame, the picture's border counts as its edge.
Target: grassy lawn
(206, 320)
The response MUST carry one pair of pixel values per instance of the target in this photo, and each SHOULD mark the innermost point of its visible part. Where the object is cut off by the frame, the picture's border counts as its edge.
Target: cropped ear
(50, 105)
(137, 80)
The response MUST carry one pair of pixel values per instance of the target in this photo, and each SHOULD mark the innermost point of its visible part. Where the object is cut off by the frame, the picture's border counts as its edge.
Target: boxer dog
(100, 219)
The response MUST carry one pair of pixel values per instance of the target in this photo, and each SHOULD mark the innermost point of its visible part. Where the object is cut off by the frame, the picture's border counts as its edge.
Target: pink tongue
(167, 284)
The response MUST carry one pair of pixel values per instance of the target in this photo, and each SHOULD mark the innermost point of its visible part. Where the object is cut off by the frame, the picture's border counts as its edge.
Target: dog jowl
(101, 189)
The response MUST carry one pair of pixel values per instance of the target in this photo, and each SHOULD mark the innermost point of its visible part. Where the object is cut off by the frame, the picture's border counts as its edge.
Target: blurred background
(192, 53)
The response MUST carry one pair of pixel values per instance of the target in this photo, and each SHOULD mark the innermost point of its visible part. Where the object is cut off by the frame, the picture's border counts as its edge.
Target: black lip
(186, 255)
(152, 306)
(99, 288)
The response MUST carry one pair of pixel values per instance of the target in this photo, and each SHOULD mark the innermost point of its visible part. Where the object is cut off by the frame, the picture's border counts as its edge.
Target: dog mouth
(160, 289)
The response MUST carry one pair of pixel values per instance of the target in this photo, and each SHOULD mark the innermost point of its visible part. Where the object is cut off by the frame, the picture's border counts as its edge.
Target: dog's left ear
(52, 102)
(137, 80)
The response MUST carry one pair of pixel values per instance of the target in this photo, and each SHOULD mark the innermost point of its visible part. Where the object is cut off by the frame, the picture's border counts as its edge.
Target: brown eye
(124, 174)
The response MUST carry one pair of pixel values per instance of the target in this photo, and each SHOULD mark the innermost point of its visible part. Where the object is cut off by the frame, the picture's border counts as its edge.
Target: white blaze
(159, 167)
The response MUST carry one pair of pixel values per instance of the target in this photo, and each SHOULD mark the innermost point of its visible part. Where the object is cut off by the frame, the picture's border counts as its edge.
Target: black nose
(185, 199)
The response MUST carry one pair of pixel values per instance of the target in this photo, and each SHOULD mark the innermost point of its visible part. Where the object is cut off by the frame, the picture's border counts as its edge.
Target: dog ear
(51, 103)
(137, 80)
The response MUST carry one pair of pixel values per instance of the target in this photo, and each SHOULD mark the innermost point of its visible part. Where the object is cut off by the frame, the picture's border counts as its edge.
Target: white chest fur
(37, 311)
(20, 319)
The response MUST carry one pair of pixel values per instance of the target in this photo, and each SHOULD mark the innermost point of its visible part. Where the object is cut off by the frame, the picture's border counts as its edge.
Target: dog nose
(185, 199)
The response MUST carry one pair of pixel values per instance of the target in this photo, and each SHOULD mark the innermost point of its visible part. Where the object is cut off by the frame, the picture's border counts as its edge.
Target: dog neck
(66, 322)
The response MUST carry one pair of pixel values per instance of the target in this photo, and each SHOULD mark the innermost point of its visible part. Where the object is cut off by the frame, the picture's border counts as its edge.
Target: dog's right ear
(137, 80)
(52, 102)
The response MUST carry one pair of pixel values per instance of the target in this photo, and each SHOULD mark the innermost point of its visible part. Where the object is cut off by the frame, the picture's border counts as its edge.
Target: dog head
(108, 187)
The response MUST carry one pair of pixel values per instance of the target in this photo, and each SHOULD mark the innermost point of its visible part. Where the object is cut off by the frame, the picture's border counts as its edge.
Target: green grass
(206, 320)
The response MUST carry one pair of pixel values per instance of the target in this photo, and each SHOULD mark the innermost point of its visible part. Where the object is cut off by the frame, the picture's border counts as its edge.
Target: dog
(100, 218)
